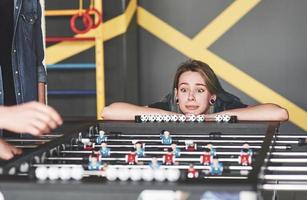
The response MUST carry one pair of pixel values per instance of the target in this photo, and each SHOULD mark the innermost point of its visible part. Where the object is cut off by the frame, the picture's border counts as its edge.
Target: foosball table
(150, 159)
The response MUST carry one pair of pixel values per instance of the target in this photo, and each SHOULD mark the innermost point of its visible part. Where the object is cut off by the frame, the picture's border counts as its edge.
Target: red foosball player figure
(131, 158)
(207, 157)
(169, 158)
(246, 154)
(192, 172)
(190, 145)
(87, 144)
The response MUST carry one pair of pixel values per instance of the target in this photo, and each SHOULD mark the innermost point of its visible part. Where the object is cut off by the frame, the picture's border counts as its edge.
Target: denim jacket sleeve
(42, 76)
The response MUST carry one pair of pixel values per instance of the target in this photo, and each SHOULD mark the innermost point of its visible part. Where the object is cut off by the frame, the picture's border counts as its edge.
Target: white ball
(53, 173)
(190, 117)
(172, 174)
(12, 171)
(64, 173)
(136, 174)
(159, 175)
(148, 174)
(123, 174)
(159, 118)
(24, 167)
(200, 118)
(144, 118)
(218, 118)
(226, 118)
(152, 118)
(111, 174)
(77, 173)
(1, 196)
(190, 175)
(174, 118)
(166, 118)
(41, 173)
(182, 118)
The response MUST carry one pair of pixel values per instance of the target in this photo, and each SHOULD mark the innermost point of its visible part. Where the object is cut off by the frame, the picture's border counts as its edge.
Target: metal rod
(69, 39)
(183, 146)
(225, 177)
(204, 141)
(26, 146)
(285, 177)
(154, 152)
(208, 136)
(287, 160)
(143, 159)
(56, 13)
(27, 140)
(287, 168)
(50, 136)
(72, 66)
(292, 187)
(71, 92)
(289, 153)
(198, 167)
(207, 141)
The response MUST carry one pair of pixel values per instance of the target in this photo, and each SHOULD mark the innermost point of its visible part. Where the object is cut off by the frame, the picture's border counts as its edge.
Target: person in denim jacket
(22, 75)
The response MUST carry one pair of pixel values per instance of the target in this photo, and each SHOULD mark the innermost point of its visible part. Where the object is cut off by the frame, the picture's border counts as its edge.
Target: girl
(197, 90)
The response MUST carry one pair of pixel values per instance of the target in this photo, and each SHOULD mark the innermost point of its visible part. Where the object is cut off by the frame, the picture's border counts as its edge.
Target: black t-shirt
(224, 101)
(6, 37)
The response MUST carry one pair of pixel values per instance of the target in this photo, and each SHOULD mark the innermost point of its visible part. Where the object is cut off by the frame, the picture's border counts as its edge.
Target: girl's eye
(200, 90)
(183, 90)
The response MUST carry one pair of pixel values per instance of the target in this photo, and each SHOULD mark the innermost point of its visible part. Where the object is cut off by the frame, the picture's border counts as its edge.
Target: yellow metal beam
(56, 13)
(100, 81)
(111, 29)
(222, 23)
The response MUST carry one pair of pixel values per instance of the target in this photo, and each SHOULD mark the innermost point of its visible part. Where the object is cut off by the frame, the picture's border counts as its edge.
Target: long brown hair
(204, 70)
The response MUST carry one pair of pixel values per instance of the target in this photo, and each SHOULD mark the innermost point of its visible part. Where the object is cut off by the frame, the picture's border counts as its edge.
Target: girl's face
(192, 94)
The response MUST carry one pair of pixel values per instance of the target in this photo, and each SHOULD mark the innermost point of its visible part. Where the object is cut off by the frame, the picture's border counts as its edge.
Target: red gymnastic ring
(97, 13)
(87, 22)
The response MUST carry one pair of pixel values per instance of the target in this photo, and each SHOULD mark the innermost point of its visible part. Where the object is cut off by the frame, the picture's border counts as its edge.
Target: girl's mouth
(192, 107)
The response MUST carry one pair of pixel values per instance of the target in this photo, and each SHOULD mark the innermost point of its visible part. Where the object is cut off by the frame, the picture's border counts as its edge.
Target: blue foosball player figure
(166, 138)
(216, 168)
(104, 150)
(154, 163)
(101, 138)
(175, 150)
(94, 162)
(139, 149)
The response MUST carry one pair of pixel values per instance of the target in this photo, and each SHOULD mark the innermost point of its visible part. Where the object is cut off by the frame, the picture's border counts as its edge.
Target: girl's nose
(191, 96)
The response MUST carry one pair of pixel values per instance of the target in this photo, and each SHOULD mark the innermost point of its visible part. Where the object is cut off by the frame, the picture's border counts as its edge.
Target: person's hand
(33, 117)
(8, 151)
